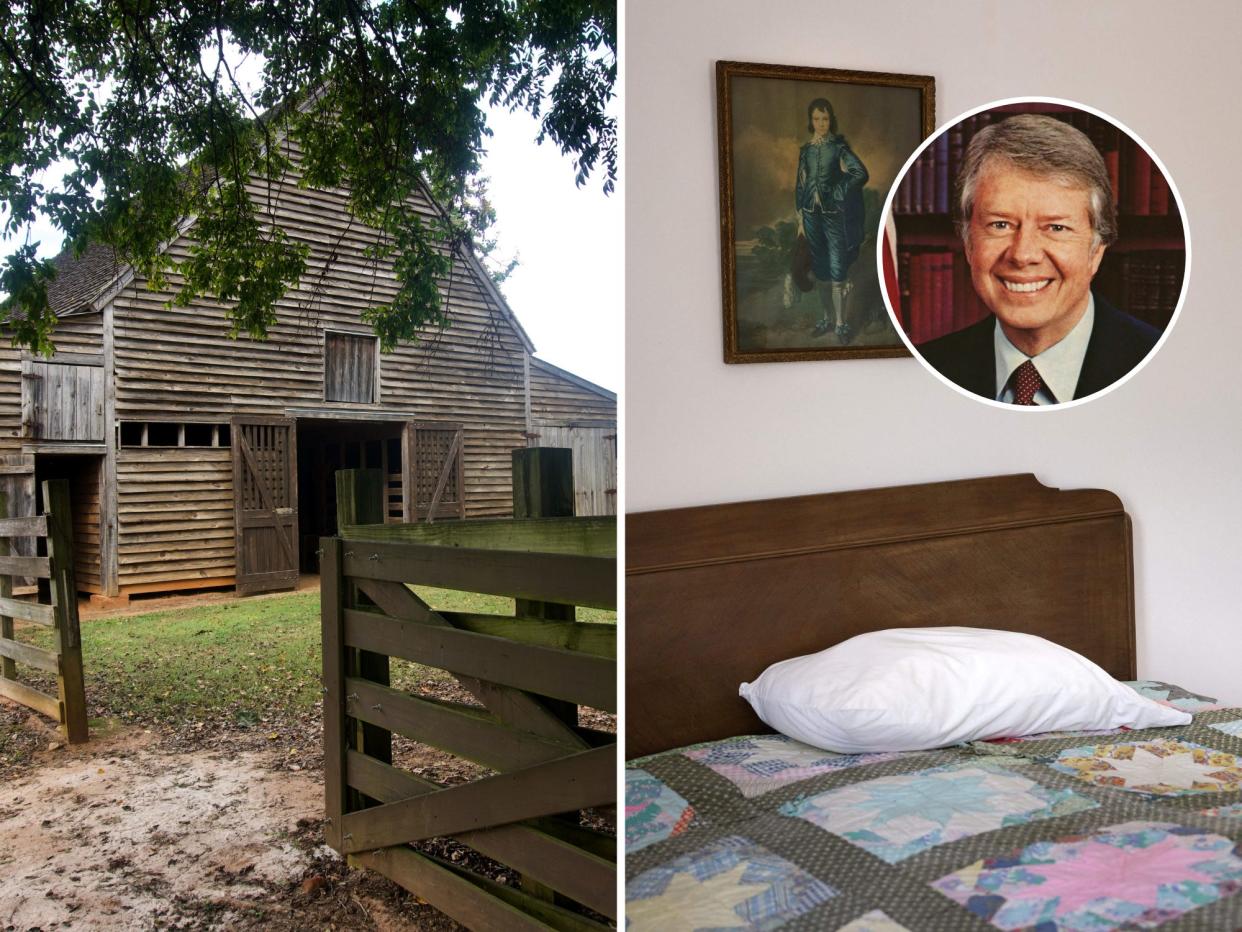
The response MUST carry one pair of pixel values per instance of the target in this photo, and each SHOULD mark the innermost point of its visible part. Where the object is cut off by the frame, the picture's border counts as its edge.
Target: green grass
(238, 662)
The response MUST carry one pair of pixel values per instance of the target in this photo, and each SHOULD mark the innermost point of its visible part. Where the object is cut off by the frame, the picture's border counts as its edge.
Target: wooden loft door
(435, 486)
(265, 501)
(63, 399)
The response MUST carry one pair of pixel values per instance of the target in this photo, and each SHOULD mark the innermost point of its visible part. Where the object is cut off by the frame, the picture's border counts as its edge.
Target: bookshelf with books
(1141, 272)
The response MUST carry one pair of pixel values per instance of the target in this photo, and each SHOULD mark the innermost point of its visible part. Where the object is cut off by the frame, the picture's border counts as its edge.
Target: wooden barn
(196, 460)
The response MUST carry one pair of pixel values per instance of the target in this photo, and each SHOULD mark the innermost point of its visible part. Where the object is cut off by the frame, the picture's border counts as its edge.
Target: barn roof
(81, 279)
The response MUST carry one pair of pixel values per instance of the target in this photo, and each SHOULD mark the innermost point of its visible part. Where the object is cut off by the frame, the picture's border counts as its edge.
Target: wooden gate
(265, 503)
(435, 486)
(17, 484)
(64, 658)
(546, 766)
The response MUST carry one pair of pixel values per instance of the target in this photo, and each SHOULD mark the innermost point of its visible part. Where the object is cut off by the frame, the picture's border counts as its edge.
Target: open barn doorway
(325, 446)
(84, 473)
(422, 464)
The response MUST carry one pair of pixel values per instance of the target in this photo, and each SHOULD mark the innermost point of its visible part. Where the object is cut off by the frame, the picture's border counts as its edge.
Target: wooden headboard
(716, 594)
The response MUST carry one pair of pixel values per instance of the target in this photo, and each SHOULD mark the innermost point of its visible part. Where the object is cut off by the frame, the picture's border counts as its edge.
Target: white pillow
(909, 689)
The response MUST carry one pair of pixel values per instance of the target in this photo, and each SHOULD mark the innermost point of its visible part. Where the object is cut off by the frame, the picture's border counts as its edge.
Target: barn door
(434, 477)
(265, 503)
(595, 464)
(63, 399)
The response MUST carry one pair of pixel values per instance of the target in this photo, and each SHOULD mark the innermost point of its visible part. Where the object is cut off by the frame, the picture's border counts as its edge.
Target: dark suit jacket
(1118, 343)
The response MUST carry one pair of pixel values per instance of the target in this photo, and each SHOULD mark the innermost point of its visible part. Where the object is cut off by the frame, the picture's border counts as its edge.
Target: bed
(730, 826)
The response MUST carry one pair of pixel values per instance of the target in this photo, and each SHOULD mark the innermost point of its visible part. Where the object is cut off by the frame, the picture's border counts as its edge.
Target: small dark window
(131, 433)
(162, 435)
(348, 368)
(199, 435)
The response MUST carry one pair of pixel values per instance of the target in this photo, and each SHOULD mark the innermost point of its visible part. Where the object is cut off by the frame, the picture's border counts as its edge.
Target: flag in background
(891, 285)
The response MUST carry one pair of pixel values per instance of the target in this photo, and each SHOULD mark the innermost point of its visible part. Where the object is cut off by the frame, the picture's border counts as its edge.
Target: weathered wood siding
(84, 500)
(76, 334)
(177, 364)
(568, 414)
(80, 333)
(555, 399)
(176, 516)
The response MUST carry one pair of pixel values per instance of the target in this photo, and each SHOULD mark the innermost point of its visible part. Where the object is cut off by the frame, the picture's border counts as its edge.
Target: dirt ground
(200, 828)
(127, 833)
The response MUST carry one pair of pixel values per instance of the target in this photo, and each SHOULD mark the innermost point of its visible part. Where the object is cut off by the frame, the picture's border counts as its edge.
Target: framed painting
(807, 157)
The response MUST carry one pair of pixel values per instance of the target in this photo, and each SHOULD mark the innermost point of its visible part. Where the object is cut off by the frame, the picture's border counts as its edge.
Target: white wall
(1168, 442)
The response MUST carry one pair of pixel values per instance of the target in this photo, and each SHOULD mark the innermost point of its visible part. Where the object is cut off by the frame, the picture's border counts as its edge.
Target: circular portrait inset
(1034, 253)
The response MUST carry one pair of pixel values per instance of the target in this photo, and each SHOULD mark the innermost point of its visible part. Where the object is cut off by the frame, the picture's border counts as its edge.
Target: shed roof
(81, 279)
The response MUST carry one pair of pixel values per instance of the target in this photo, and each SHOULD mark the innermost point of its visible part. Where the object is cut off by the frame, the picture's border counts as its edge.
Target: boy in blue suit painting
(829, 203)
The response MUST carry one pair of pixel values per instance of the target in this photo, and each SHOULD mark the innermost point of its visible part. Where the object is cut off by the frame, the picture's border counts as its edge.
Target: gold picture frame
(802, 187)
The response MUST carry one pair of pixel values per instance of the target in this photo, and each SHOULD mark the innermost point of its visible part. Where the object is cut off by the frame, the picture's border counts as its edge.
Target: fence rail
(64, 658)
(523, 671)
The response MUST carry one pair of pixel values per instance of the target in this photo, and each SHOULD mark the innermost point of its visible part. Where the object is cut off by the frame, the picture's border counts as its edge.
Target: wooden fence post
(332, 613)
(65, 599)
(360, 500)
(543, 487)
(7, 668)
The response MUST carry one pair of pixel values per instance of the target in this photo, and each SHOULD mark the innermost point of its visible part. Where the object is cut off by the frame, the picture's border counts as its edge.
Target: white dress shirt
(1059, 365)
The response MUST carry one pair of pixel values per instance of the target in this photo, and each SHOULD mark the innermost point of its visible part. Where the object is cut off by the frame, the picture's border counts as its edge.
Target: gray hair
(1047, 147)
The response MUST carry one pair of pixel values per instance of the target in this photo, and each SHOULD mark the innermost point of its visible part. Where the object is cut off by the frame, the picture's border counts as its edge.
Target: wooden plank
(596, 638)
(462, 730)
(31, 698)
(31, 656)
(579, 781)
(333, 646)
(25, 566)
(596, 536)
(511, 706)
(360, 500)
(548, 671)
(24, 527)
(71, 680)
(588, 839)
(567, 869)
(449, 892)
(548, 577)
(77, 359)
(7, 668)
(557, 916)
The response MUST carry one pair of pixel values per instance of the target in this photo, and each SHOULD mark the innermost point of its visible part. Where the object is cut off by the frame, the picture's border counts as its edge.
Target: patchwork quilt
(1069, 830)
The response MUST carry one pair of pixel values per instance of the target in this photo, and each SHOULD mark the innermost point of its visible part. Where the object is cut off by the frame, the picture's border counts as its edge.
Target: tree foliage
(142, 100)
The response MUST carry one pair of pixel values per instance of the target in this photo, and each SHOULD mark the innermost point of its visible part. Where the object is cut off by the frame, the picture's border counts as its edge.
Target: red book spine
(1140, 179)
(1160, 193)
(944, 277)
(918, 298)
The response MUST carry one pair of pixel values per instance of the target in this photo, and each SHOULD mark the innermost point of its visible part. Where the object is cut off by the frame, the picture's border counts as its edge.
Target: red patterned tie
(1026, 382)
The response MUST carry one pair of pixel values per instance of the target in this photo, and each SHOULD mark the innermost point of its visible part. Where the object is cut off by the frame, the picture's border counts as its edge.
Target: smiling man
(1037, 213)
